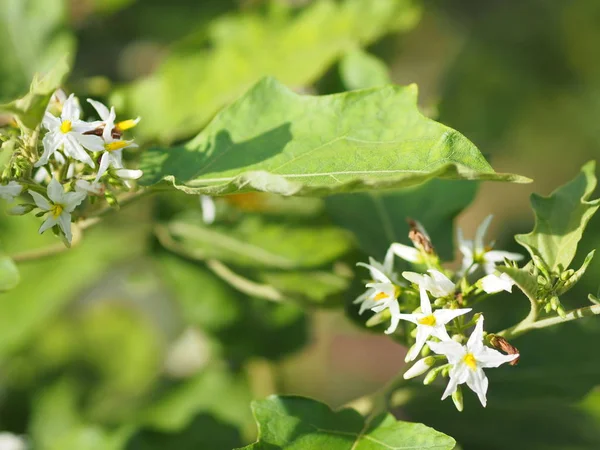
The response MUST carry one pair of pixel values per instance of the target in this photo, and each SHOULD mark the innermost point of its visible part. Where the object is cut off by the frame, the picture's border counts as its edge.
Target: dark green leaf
(301, 423)
(277, 141)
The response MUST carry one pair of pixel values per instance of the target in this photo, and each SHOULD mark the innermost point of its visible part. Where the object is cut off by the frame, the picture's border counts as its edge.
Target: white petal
(498, 256)
(423, 333)
(406, 253)
(375, 273)
(40, 175)
(488, 357)
(100, 108)
(440, 332)
(50, 142)
(450, 349)
(74, 149)
(414, 318)
(50, 122)
(415, 278)
(55, 191)
(443, 316)
(72, 200)
(87, 187)
(90, 142)
(493, 283)
(105, 161)
(475, 342)
(388, 261)
(480, 233)
(444, 285)
(458, 375)
(419, 368)
(71, 110)
(395, 312)
(48, 223)
(10, 190)
(209, 210)
(478, 383)
(64, 221)
(9, 441)
(465, 246)
(425, 303)
(40, 201)
(129, 174)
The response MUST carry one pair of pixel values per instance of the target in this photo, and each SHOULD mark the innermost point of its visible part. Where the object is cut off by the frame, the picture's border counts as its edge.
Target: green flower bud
(567, 274)
(457, 398)
(425, 351)
(379, 318)
(542, 281)
(431, 376)
(561, 312)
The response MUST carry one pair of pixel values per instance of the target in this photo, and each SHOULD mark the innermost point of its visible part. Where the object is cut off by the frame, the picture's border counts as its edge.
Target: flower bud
(419, 368)
(457, 398)
(409, 354)
(542, 281)
(567, 274)
(425, 351)
(554, 303)
(379, 318)
(561, 312)
(431, 376)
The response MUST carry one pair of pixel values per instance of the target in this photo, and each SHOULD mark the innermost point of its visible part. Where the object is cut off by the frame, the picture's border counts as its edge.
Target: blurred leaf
(302, 423)
(215, 308)
(313, 287)
(30, 108)
(9, 274)
(524, 280)
(379, 218)
(57, 423)
(361, 70)
(560, 220)
(202, 75)
(256, 242)
(33, 37)
(274, 140)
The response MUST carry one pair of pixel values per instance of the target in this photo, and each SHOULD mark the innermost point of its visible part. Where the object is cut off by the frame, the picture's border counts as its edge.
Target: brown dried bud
(116, 133)
(419, 237)
(502, 344)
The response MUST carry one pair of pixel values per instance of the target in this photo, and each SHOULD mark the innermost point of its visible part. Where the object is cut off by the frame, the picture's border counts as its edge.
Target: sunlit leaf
(561, 219)
(302, 423)
(361, 70)
(277, 141)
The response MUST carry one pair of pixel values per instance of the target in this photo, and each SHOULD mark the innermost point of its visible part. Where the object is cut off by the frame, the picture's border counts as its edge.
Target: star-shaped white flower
(60, 205)
(382, 292)
(476, 252)
(494, 283)
(430, 323)
(108, 119)
(468, 362)
(67, 132)
(10, 190)
(438, 284)
(113, 155)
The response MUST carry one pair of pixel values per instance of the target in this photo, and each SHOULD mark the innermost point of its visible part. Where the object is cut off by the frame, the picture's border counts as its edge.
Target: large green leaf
(33, 37)
(379, 218)
(560, 220)
(203, 74)
(302, 424)
(277, 141)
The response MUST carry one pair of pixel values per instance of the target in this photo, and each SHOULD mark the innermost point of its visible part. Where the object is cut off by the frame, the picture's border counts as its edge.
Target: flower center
(66, 126)
(116, 145)
(428, 320)
(470, 361)
(383, 295)
(56, 209)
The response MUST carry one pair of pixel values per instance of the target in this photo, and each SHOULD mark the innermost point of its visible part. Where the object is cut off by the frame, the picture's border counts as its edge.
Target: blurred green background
(127, 343)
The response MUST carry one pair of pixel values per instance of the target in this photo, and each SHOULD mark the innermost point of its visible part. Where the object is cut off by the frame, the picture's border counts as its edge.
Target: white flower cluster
(386, 295)
(78, 158)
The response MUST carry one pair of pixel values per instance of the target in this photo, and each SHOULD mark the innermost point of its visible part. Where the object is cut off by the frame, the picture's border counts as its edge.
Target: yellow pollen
(470, 361)
(428, 320)
(56, 210)
(116, 145)
(126, 124)
(66, 126)
(380, 296)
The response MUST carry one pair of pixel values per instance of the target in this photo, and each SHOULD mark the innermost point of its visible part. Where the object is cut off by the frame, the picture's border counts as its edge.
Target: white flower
(468, 362)
(9, 441)
(430, 323)
(108, 119)
(87, 188)
(438, 284)
(382, 293)
(476, 252)
(11, 190)
(68, 132)
(57, 101)
(60, 206)
(113, 155)
(494, 283)
(209, 210)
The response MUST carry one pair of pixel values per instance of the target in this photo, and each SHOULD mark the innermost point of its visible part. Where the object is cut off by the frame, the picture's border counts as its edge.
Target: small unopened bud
(111, 199)
(439, 302)
(379, 318)
(419, 368)
(431, 376)
(542, 266)
(548, 307)
(425, 351)
(410, 353)
(567, 274)
(554, 303)
(457, 398)
(542, 281)
(19, 210)
(561, 312)
(446, 370)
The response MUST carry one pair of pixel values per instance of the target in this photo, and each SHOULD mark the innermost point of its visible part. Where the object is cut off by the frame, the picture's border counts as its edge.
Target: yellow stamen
(126, 124)
(56, 210)
(380, 296)
(428, 320)
(66, 126)
(116, 145)
(470, 361)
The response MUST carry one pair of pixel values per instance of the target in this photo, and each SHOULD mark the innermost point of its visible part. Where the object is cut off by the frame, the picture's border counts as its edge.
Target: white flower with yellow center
(382, 292)
(438, 284)
(60, 205)
(430, 323)
(108, 118)
(67, 132)
(113, 155)
(476, 253)
(468, 362)
(10, 190)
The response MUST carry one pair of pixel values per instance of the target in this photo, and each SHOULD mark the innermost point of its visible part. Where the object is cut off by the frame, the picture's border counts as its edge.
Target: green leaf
(560, 220)
(379, 218)
(314, 287)
(277, 141)
(30, 108)
(9, 274)
(33, 37)
(524, 280)
(256, 242)
(203, 74)
(361, 70)
(302, 423)
(571, 282)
